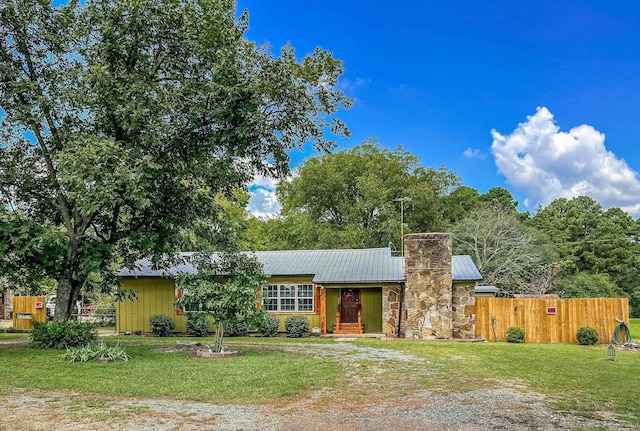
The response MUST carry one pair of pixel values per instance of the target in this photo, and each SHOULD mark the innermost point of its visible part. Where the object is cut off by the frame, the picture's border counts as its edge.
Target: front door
(349, 310)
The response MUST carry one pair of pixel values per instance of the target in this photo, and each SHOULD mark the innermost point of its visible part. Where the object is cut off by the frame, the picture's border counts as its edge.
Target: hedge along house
(427, 294)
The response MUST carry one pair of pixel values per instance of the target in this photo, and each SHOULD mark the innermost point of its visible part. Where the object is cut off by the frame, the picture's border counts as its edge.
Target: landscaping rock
(630, 347)
(181, 343)
(213, 355)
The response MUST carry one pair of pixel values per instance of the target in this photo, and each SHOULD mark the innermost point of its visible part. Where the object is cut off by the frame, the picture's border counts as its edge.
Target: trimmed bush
(515, 334)
(96, 352)
(161, 325)
(238, 329)
(62, 334)
(297, 326)
(587, 336)
(197, 324)
(269, 326)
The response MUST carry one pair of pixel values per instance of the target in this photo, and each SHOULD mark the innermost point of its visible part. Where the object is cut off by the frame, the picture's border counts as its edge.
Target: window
(288, 297)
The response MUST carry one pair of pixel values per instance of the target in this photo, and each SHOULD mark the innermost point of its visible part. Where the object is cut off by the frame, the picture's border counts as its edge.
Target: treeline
(352, 199)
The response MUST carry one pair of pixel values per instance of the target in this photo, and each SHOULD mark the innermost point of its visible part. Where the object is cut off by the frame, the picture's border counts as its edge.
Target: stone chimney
(427, 307)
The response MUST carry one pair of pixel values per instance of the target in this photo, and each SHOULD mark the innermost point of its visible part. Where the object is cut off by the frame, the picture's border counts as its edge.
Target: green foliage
(197, 324)
(587, 336)
(96, 352)
(236, 329)
(269, 326)
(29, 253)
(346, 199)
(601, 247)
(587, 285)
(122, 122)
(515, 334)
(161, 325)
(634, 303)
(297, 326)
(227, 286)
(231, 229)
(459, 203)
(62, 334)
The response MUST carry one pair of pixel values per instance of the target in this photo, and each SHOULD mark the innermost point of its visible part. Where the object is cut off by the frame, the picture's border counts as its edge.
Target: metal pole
(402, 226)
(402, 201)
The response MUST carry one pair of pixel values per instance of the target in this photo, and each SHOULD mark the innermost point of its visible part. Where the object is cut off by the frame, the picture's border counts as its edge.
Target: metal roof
(463, 269)
(372, 265)
(336, 266)
(486, 289)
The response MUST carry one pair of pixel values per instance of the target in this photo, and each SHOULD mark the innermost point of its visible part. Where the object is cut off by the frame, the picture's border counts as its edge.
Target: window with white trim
(288, 297)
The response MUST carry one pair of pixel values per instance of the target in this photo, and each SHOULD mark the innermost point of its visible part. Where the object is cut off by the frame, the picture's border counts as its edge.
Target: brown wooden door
(349, 309)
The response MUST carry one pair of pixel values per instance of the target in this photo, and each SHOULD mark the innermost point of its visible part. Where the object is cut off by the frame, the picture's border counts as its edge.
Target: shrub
(238, 329)
(197, 324)
(587, 336)
(297, 326)
(269, 326)
(96, 352)
(161, 325)
(62, 334)
(515, 334)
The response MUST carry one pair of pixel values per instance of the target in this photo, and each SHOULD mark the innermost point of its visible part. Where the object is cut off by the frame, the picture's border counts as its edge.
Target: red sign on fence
(552, 310)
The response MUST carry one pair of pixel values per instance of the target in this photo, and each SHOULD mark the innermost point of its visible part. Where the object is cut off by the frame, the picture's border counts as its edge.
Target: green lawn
(254, 377)
(580, 379)
(634, 327)
(13, 335)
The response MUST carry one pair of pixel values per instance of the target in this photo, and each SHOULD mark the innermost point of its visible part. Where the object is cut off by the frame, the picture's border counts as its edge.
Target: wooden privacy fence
(549, 320)
(27, 309)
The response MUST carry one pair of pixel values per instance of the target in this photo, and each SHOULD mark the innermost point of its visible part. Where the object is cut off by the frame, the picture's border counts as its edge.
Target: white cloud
(348, 86)
(263, 201)
(545, 163)
(474, 153)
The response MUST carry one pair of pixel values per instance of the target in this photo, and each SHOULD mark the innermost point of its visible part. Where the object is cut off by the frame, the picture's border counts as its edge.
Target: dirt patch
(197, 350)
(14, 342)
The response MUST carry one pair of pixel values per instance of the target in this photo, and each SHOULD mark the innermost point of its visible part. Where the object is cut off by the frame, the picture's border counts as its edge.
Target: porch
(347, 310)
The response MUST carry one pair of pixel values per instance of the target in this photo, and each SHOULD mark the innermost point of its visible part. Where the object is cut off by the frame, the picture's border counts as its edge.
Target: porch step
(349, 328)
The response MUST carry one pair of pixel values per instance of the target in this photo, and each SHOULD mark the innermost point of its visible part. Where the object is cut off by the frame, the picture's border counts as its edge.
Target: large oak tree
(350, 199)
(121, 121)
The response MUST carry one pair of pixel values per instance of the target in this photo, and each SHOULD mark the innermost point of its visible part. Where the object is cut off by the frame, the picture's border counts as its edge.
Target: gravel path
(474, 410)
(478, 409)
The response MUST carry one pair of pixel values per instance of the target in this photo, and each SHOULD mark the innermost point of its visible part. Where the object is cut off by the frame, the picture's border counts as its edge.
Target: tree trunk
(219, 334)
(69, 286)
(68, 293)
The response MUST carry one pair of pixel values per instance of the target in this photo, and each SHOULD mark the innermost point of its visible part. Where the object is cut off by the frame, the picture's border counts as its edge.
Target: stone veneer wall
(464, 311)
(428, 301)
(390, 305)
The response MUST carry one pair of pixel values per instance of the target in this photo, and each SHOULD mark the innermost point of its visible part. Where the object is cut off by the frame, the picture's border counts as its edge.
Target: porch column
(323, 309)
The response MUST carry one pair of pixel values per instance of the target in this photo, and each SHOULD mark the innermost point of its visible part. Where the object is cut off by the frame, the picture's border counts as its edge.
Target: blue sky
(540, 97)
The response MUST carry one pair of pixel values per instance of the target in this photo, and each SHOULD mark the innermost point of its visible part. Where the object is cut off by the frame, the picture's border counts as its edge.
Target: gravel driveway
(505, 408)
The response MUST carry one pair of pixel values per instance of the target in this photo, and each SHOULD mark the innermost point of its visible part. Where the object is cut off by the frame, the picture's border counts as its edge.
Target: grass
(634, 327)
(579, 379)
(13, 335)
(255, 377)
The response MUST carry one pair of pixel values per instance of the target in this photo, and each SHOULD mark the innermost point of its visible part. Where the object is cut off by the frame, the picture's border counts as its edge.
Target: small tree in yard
(226, 287)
